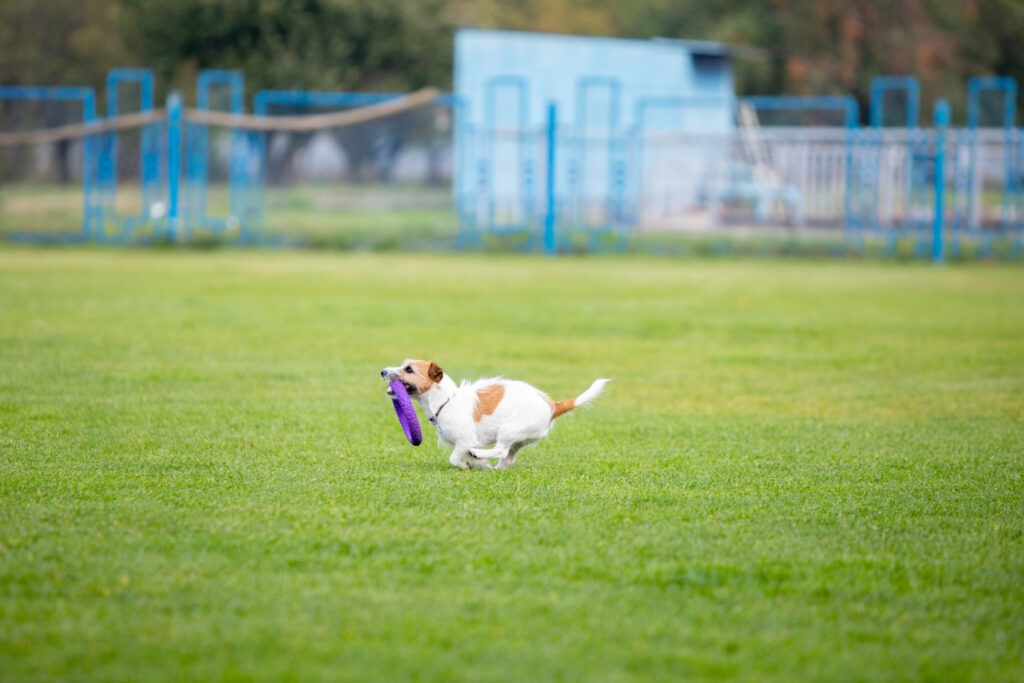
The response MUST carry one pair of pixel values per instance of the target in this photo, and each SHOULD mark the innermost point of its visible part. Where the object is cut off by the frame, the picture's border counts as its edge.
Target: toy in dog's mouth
(410, 389)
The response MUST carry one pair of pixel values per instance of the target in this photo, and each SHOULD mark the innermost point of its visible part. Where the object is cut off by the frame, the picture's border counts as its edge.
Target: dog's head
(418, 376)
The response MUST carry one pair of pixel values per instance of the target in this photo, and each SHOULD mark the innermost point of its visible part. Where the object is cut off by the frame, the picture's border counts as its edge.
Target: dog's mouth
(410, 389)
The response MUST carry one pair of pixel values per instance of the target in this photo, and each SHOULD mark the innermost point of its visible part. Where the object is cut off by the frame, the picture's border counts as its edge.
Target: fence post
(549, 216)
(92, 218)
(850, 122)
(938, 220)
(174, 120)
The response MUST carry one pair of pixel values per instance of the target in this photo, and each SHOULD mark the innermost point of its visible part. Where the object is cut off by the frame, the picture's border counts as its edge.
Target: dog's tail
(562, 407)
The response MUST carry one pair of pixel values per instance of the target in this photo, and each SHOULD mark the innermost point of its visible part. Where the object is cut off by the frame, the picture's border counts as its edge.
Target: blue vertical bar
(549, 218)
(975, 86)
(973, 93)
(92, 220)
(107, 170)
(942, 118)
(149, 150)
(239, 181)
(1009, 121)
(198, 151)
(879, 86)
(850, 108)
(174, 124)
(259, 141)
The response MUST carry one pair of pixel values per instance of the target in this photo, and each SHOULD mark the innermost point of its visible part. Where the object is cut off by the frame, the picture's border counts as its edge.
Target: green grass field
(802, 471)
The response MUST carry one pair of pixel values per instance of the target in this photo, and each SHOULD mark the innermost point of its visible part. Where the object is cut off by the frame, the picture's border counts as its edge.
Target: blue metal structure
(499, 143)
(917, 152)
(674, 111)
(847, 106)
(552, 210)
(844, 104)
(265, 99)
(1010, 193)
(197, 153)
(516, 173)
(880, 85)
(499, 150)
(92, 207)
(175, 123)
(580, 187)
(149, 152)
(942, 120)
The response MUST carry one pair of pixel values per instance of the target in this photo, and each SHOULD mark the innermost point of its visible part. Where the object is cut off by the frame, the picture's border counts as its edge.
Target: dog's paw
(478, 463)
(461, 463)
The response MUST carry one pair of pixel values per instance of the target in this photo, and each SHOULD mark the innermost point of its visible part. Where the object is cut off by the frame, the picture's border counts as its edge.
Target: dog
(490, 419)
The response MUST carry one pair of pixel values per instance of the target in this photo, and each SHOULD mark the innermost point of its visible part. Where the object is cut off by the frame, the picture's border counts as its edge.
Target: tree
(304, 44)
(57, 42)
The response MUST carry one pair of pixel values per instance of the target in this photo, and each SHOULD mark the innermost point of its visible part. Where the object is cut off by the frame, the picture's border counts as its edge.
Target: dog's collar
(433, 420)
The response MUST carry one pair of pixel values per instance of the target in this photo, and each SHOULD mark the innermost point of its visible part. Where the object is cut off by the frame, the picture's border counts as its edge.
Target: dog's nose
(383, 373)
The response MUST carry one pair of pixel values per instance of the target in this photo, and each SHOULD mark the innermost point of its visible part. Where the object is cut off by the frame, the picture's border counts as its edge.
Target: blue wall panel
(603, 89)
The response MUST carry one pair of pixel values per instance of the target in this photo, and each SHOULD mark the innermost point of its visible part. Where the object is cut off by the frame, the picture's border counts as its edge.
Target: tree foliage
(309, 44)
(58, 42)
(808, 46)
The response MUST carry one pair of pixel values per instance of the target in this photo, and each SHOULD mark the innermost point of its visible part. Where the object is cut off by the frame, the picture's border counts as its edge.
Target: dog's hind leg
(498, 452)
(478, 463)
(509, 459)
(503, 451)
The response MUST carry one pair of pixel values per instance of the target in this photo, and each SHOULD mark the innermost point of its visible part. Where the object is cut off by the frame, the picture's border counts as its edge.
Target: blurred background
(766, 124)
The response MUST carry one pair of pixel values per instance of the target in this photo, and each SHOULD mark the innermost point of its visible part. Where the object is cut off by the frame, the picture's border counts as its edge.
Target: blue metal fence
(92, 207)
(117, 226)
(197, 212)
(935, 187)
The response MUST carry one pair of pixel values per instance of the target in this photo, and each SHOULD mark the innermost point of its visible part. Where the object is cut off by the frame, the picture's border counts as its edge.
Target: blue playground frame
(264, 99)
(197, 150)
(525, 163)
(149, 152)
(918, 152)
(300, 98)
(1010, 194)
(615, 198)
(640, 109)
(564, 161)
(845, 104)
(92, 206)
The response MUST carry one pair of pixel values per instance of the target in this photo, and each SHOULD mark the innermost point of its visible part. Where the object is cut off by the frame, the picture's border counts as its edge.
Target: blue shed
(604, 89)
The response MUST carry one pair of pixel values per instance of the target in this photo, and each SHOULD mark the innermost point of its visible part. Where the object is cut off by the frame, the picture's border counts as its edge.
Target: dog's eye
(408, 368)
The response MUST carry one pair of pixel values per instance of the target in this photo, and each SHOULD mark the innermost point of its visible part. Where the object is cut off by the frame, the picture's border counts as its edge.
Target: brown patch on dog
(563, 407)
(420, 375)
(488, 399)
(548, 399)
(435, 372)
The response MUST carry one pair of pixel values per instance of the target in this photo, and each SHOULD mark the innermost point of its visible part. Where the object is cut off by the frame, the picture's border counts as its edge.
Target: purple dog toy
(406, 413)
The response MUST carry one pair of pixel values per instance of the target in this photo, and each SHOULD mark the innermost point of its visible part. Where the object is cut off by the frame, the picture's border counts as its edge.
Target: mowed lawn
(801, 471)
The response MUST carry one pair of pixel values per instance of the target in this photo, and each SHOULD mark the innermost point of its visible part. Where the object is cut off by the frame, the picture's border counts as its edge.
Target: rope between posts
(300, 124)
(311, 122)
(78, 130)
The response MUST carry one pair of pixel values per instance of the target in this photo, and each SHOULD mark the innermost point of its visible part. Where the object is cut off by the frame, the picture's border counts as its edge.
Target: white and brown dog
(503, 414)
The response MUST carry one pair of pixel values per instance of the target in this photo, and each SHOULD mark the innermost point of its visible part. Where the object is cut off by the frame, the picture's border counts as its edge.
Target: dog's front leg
(463, 459)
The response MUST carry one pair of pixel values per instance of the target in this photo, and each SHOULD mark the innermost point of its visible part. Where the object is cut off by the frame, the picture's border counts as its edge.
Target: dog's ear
(435, 372)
